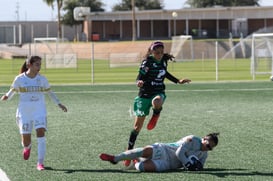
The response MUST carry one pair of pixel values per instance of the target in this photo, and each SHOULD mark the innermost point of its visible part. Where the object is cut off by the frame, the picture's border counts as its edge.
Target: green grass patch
(101, 73)
(98, 120)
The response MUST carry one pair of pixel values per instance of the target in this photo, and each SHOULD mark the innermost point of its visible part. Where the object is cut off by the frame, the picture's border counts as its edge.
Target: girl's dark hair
(213, 137)
(155, 45)
(152, 47)
(29, 60)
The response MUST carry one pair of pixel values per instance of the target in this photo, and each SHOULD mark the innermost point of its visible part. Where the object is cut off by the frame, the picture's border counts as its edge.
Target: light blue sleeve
(188, 146)
(203, 158)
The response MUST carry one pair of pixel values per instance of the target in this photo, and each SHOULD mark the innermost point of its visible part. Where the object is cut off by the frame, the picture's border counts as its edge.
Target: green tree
(126, 5)
(59, 7)
(225, 3)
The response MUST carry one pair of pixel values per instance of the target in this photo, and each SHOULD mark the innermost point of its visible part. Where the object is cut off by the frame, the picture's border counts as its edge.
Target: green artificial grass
(98, 120)
(101, 73)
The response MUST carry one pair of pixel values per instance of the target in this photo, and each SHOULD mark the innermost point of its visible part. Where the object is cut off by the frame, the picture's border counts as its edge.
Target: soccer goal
(56, 52)
(262, 54)
(124, 59)
(182, 48)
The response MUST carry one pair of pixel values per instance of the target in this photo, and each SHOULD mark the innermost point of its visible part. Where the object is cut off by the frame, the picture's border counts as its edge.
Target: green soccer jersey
(153, 72)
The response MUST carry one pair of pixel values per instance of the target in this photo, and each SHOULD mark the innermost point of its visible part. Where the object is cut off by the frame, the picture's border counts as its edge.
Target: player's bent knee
(140, 166)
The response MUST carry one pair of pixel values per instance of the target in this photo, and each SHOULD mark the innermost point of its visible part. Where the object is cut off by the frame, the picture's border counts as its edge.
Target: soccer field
(101, 73)
(99, 120)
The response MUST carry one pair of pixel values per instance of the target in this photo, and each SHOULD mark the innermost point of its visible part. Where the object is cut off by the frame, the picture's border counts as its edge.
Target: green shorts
(142, 106)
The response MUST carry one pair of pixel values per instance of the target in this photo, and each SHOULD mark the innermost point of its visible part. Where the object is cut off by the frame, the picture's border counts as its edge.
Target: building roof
(245, 12)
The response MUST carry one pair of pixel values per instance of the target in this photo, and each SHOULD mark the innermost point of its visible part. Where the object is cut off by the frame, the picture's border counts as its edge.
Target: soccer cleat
(153, 121)
(26, 153)
(40, 167)
(131, 166)
(106, 157)
(126, 163)
(135, 161)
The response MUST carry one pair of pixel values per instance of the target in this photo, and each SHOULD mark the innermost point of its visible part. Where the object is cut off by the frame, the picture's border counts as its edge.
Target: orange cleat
(106, 157)
(126, 163)
(152, 123)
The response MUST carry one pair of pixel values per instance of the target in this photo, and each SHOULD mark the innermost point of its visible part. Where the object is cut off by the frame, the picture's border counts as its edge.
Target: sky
(38, 10)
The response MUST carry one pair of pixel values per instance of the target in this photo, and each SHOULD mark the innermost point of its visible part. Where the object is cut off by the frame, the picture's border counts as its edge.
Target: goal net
(182, 48)
(262, 54)
(56, 52)
(124, 59)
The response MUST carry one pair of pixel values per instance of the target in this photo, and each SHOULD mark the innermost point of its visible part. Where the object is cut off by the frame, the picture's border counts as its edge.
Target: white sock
(41, 149)
(28, 147)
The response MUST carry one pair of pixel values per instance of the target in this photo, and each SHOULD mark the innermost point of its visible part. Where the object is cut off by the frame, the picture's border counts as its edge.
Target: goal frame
(177, 47)
(254, 51)
(57, 55)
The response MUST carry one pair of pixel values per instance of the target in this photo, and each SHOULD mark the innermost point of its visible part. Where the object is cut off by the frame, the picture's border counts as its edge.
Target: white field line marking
(136, 91)
(3, 176)
(193, 90)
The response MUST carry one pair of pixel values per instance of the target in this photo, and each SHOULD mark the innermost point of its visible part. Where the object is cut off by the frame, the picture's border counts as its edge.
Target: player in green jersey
(150, 80)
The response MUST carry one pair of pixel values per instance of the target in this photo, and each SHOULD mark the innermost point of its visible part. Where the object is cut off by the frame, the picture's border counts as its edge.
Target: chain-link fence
(118, 62)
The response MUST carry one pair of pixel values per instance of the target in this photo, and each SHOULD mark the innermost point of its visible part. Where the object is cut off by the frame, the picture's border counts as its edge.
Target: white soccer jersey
(31, 90)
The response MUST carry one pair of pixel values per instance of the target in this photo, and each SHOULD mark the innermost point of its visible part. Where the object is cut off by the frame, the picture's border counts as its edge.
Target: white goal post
(56, 52)
(261, 54)
(182, 47)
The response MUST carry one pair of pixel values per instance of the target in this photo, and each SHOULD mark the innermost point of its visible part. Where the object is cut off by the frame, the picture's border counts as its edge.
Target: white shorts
(26, 125)
(160, 158)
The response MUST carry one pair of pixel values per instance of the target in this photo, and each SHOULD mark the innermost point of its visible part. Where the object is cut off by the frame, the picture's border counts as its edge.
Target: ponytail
(24, 68)
(29, 60)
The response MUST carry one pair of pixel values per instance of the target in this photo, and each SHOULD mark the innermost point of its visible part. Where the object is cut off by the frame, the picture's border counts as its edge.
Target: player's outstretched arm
(8, 95)
(4, 98)
(183, 81)
(56, 100)
(62, 107)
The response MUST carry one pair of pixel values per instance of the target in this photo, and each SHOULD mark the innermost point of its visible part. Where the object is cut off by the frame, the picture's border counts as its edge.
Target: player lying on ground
(189, 152)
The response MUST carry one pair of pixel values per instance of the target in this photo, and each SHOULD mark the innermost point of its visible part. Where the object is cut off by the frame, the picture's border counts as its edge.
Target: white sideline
(3, 176)
(180, 90)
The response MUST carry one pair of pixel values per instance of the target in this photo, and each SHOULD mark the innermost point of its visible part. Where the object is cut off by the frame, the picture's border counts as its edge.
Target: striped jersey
(31, 95)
